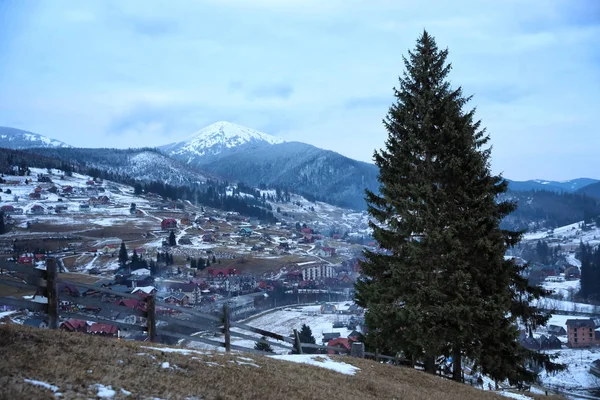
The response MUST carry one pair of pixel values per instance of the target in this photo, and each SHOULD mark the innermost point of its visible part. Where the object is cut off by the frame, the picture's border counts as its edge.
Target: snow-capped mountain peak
(218, 137)
(12, 138)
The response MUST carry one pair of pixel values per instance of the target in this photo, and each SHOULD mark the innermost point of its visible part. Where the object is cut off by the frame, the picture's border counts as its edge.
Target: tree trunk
(430, 364)
(456, 364)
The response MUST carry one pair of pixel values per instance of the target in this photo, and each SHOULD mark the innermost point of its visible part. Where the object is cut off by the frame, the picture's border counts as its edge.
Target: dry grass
(79, 278)
(75, 362)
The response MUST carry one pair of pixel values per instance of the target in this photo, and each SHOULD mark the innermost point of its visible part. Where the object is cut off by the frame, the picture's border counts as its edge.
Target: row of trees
(445, 289)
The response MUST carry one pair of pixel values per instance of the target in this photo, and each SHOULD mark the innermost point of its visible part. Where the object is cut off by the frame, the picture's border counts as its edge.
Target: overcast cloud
(143, 73)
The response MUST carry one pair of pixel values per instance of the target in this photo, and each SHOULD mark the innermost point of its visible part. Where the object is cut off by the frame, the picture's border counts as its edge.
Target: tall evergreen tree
(123, 258)
(445, 288)
(172, 239)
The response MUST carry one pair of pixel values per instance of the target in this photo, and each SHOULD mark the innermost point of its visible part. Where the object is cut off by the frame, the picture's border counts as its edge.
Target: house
(74, 325)
(245, 232)
(185, 221)
(103, 329)
(8, 209)
(144, 291)
(90, 182)
(354, 335)
(557, 330)
(328, 309)
(36, 323)
(208, 237)
(179, 298)
(25, 260)
(84, 207)
(327, 336)
(553, 343)
(343, 343)
(131, 303)
(221, 273)
(67, 189)
(68, 289)
(326, 252)
(168, 223)
(580, 332)
(35, 196)
(37, 209)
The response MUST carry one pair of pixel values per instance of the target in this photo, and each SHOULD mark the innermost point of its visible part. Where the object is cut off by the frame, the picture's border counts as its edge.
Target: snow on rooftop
(319, 361)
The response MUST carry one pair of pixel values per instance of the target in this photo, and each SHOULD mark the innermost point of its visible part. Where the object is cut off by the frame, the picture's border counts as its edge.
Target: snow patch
(319, 361)
(42, 384)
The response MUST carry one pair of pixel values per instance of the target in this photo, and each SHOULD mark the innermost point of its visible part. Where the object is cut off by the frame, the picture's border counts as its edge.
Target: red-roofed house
(103, 329)
(132, 303)
(74, 325)
(168, 223)
(306, 231)
(25, 260)
(221, 273)
(343, 343)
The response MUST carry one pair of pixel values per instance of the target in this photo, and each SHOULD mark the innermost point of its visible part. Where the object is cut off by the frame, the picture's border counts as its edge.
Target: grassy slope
(75, 362)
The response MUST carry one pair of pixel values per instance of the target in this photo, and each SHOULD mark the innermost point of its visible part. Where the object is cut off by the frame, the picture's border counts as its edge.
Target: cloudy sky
(142, 73)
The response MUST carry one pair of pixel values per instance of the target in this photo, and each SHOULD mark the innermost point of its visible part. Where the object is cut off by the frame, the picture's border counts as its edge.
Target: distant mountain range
(570, 186)
(232, 152)
(12, 138)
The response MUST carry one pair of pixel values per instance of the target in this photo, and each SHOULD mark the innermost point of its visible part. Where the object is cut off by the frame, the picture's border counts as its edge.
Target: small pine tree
(201, 263)
(207, 262)
(266, 347)
(193, 263)
(123, 258)
(307, 337)
(172, 239)
(214, 260)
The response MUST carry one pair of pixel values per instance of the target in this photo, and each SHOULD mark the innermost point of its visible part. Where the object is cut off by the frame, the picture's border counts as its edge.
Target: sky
(133, 73)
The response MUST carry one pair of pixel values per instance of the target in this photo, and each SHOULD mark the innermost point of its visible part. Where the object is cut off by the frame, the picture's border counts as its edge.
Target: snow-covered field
(569, 234)
(284, 322)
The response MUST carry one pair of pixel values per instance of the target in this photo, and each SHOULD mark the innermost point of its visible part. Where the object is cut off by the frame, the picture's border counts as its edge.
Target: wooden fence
(46, 282)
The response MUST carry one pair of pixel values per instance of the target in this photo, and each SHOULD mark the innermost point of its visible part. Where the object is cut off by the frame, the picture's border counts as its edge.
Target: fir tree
(134, 257)
(445, 289)
(193, 263)
(201, 263)
(172, 239)
(306, 336)
(123, 258)
(266, 347)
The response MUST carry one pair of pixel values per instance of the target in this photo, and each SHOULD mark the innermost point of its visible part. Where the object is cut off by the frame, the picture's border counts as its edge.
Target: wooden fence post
(377, 355)
(151, 317)
(52, 293)
(357, 350)
(226, 328)
(297, 343)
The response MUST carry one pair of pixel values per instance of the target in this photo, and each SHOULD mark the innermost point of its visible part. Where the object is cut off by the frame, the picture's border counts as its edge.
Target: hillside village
(187, 254)
(194, 256)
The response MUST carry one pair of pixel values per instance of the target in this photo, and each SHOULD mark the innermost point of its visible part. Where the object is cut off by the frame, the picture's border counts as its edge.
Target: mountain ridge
(14, 138)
